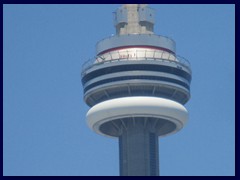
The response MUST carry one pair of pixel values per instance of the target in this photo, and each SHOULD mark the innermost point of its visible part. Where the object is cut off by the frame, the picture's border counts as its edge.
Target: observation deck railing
(135, 55)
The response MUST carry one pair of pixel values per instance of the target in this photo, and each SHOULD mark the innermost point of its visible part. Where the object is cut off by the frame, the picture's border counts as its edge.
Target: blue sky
(44, 126)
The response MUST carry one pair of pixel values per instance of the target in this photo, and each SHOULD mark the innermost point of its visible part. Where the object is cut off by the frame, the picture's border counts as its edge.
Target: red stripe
(138, 46)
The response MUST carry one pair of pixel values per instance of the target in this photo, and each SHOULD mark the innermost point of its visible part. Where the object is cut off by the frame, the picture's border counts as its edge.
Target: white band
(137, 106)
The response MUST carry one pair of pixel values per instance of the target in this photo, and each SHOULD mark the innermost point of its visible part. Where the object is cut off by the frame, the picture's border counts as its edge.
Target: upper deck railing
(136, 55)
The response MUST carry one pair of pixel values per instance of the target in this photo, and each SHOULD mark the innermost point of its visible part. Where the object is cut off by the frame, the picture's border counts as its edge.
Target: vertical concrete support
(138, 150)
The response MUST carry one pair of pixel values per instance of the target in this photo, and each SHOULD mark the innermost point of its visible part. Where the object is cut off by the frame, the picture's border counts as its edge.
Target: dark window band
(134, 67)
(136, 78)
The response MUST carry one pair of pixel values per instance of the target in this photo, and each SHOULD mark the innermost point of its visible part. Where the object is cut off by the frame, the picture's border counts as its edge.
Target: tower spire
(134, 19)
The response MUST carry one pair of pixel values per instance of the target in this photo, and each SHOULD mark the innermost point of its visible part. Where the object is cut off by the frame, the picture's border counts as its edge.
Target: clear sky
(44, 125)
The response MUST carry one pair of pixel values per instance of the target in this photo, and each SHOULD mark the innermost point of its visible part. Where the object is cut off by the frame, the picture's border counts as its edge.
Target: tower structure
(136, 87)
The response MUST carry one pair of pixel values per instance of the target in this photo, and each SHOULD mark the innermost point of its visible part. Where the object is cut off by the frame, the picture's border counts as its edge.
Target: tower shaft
(138, 150)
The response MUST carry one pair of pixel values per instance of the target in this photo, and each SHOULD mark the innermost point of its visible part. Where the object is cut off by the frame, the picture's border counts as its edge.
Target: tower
(136, 87)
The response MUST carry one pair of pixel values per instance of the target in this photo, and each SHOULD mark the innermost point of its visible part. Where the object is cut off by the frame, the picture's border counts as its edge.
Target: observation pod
(136, 87)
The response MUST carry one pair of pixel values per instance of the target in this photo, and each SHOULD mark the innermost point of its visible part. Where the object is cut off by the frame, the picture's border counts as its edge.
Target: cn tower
(136, 87)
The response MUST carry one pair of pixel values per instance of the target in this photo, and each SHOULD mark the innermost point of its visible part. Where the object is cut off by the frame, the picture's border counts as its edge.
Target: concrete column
(138, 150)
